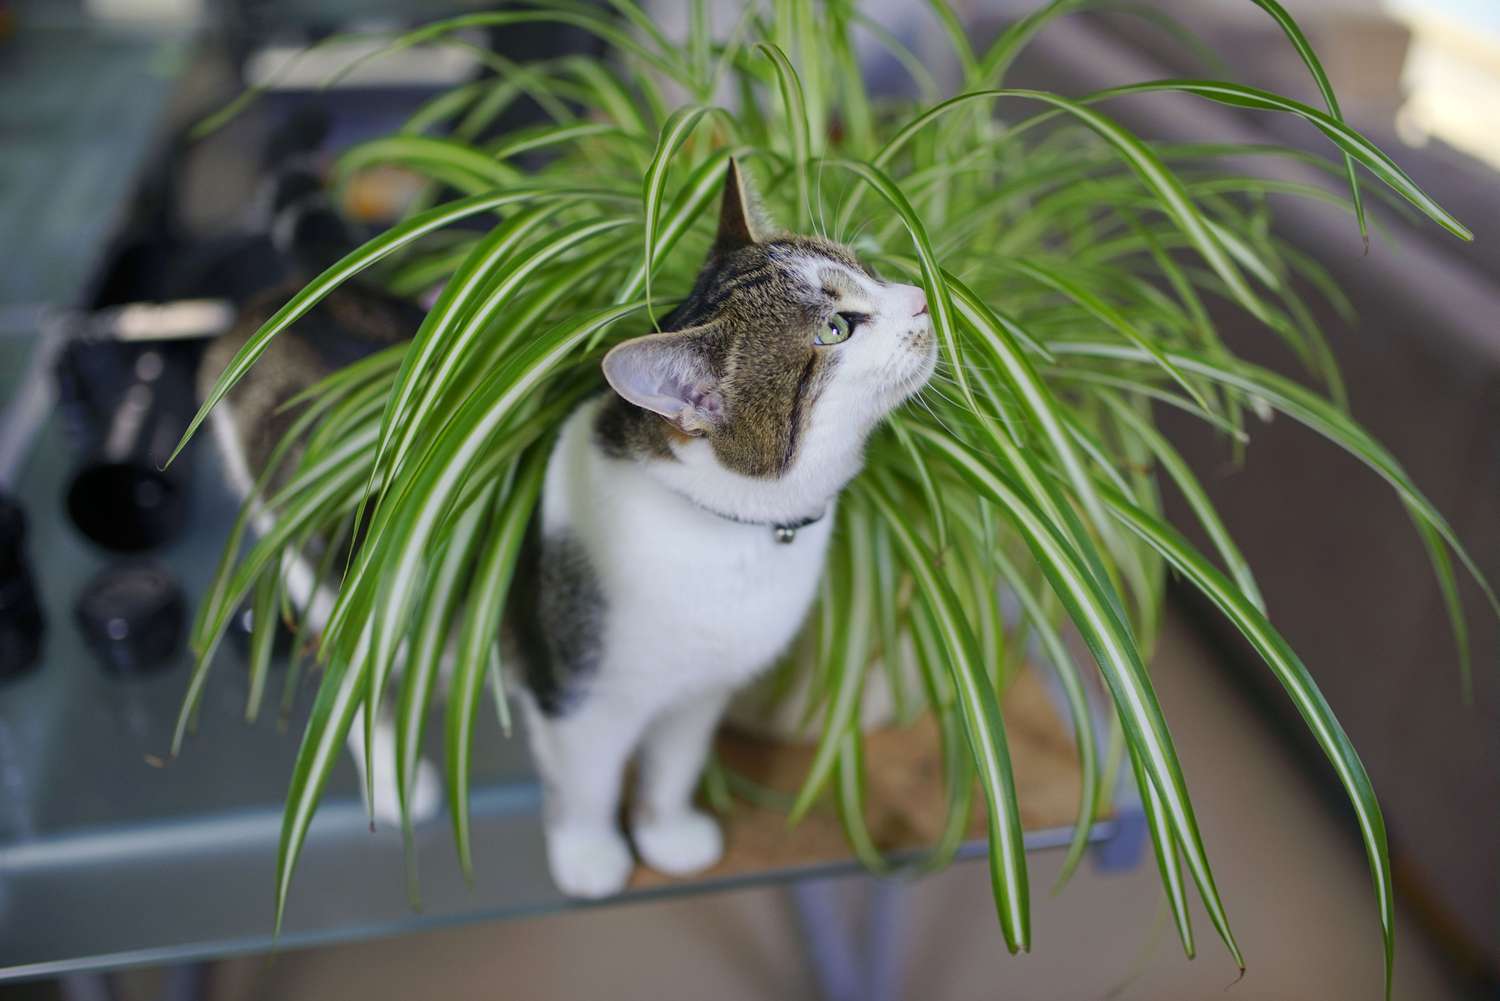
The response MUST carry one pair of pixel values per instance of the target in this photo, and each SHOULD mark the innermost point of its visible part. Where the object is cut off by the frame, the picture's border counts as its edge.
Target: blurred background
(107, 202)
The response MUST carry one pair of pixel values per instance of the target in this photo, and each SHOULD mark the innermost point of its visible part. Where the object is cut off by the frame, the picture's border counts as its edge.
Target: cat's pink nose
(915, 299)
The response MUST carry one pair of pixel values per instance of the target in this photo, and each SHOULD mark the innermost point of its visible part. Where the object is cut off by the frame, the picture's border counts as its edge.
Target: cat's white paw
(680, 844)
(425, 796)
(588, 862)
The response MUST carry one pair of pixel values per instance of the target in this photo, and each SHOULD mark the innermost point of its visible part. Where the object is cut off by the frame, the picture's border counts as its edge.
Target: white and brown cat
(682, 528)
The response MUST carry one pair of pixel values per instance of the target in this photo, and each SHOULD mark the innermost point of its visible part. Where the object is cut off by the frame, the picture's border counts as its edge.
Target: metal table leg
(846, 968)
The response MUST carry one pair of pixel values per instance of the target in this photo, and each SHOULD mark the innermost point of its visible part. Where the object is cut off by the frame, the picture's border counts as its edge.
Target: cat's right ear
(669, 374)
(739, 220)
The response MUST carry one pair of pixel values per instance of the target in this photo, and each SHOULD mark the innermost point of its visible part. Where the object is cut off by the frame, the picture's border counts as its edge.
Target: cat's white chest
(692, 601)
(707, 608)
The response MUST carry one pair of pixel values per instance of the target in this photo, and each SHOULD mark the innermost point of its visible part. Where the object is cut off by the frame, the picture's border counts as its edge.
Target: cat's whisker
(970, 365)
(1005, 410)
(938, 413)
(949, 378)
(838, 215)
(926, 405)
(951, 381)
(858, 232)
(822, 222)
(945, 373)
(941, 395)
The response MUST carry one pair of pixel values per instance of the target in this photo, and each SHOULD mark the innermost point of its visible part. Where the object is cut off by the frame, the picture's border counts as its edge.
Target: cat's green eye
(839, 328)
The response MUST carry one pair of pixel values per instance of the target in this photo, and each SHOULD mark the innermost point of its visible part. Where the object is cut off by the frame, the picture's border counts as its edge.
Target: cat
(682, 529)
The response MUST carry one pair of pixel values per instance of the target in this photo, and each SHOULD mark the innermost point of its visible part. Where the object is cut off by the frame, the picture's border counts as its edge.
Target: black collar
(784, 532)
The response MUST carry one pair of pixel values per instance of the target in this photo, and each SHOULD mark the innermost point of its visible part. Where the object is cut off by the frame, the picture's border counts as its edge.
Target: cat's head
(787, 351)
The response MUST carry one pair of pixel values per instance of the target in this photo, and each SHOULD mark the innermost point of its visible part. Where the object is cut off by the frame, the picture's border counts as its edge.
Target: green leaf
(1089, 790)
(552, 135)
(448, 342)
(794, 105)
(1320, 416)
(933, 280)
(484, 603)
(986, 730)
(848, 656)
(1350, 142)
(1193, 493)
(935, 506)
(347, 267)
(850, 784)
(1107, 314)
(1164, 847)
(428, 641)
(1442, 568)
(888, 618)
(611, 96)
(1004, 50)
(673, 134)
(1114, 650)
(450, 161)
(262, 612)
(999, 336)
(690, 205)
(403, 527)
(313, 494)
(958, 38)
(1325, 87)
(338, 700)
(1299, 685)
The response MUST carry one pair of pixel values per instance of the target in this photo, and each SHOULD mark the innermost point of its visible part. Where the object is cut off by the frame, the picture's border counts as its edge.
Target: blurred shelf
(79, 114)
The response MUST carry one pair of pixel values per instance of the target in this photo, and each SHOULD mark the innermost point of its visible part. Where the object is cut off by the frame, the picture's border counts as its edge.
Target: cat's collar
(784, 532)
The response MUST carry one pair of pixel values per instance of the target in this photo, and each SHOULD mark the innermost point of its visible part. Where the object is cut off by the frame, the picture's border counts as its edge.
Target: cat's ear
(669, 374)
(739, 218)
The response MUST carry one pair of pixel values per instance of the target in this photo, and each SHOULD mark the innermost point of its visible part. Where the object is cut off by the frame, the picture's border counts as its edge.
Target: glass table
(111, 855)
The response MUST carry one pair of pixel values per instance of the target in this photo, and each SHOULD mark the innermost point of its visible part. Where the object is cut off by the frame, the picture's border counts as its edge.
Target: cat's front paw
(679, 844)
(588, 862)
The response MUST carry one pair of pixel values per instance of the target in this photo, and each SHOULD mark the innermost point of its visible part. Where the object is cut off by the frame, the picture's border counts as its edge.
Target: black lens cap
(126, 506)
(132, 618)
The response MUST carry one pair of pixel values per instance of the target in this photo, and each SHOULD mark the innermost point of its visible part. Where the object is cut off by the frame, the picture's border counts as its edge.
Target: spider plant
(1070, 266)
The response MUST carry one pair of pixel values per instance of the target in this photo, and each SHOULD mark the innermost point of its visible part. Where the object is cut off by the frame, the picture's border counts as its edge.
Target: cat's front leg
(670, 833)
(581, 755)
